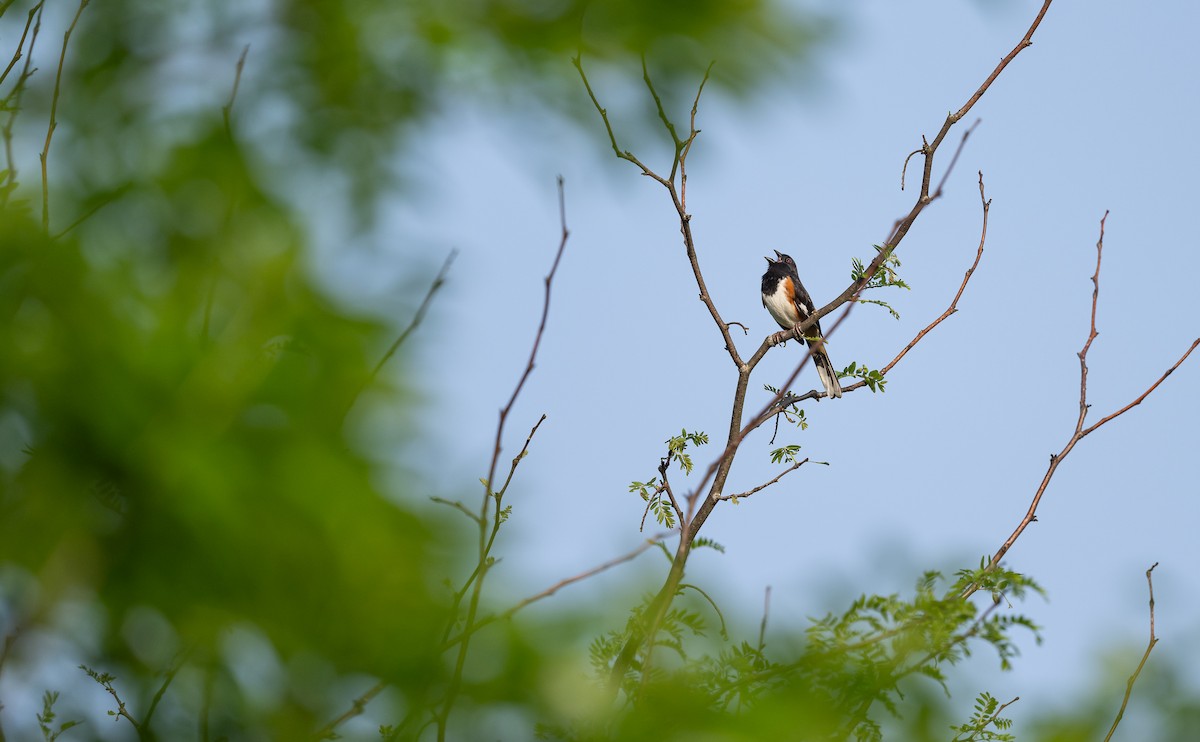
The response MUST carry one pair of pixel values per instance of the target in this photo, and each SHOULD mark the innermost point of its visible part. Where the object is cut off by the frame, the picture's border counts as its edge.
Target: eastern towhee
(785, 298)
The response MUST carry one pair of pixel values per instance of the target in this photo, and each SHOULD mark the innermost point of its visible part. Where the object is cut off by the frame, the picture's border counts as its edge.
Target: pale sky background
(1098, 114)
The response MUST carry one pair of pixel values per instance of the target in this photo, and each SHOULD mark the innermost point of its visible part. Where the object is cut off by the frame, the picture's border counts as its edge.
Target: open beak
(778, 255)
(769, 260)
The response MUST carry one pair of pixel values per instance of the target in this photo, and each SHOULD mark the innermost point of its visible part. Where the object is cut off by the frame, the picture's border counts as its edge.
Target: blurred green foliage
(182, 403)
(336, 87)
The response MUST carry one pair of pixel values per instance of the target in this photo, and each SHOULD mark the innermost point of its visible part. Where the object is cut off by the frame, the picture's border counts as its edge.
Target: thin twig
(474, 582)
(663, 465)
(764, 485)
(9, 640)
(357, 706)
(8, 644)
(105, 201)
(658, 490)
(1145, 656)
(457, 506)
(627, 557)
(937, 193)
(953, 308)
(762, 627)
(13, 100)
(903, 225)
(612, 138)
(992, 719)
(21, 43)
(687, 145)
(106, 681)
(227, 109)
(172, 671)
(420, 314)
(62, 58)
(537, 340)
(915, 152)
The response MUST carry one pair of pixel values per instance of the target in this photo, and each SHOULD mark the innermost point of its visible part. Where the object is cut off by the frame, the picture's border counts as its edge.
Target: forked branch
(1081, 431)
(491, 514)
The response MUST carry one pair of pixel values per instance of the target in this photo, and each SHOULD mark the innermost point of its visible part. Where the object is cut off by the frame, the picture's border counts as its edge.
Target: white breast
(781, 309)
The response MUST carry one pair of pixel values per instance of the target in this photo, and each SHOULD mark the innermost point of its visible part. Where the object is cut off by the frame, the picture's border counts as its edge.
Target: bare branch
(457, 506)
(687, 146)
(368, 379)
(357, 706)
(13, 100)
(420, 314)
(62, 58)
(627, 557)
(904, 169)
(487, 537)
(678, 164)
(172, 671)
(762, 627)
(105, 201)
(953, 308)
(662, 114)
(1080, 431)
(227, 109)
(937, 193)
(1145, 656)
(764, 485)
(537, 340)
(21, 44)
(612, 138)
(1146, 393)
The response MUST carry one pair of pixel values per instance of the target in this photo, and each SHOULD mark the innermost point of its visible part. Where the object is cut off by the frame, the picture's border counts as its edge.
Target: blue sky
(1098, 115)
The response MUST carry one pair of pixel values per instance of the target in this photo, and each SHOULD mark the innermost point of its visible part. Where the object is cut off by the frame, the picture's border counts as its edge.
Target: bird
(789, 303)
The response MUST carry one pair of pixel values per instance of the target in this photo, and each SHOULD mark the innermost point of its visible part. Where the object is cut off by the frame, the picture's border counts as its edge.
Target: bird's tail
(827, 373)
